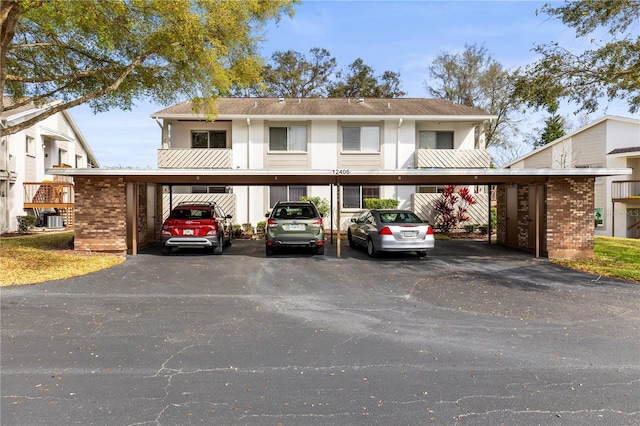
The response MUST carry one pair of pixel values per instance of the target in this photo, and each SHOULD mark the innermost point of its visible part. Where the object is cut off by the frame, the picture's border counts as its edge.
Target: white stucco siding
(323, 147)
(241, 133)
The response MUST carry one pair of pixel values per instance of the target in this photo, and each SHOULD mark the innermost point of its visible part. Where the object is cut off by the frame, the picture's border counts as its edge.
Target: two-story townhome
(25, 188)
(331, 134)
(610, 142)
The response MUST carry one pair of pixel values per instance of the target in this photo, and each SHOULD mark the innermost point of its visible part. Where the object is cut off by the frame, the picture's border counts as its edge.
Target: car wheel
(421, 253)
(320, 250)
(218, 249)
(371, 250)
(230, 240)
(352, 243)
(165, 250)
(270, 250)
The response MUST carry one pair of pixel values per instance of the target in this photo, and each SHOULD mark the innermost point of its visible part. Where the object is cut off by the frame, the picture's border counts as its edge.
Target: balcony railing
(452, 159)
(625, 190)
(48, 195)
(196, 158)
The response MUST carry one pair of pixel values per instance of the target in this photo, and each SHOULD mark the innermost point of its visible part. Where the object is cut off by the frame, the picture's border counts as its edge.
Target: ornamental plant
(452, 207)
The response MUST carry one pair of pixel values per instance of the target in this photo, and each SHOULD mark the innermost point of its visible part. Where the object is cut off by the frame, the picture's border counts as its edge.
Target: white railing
(452, 159)
(177, 158)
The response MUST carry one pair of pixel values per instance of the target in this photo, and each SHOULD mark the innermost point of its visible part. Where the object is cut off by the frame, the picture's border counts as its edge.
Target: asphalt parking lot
(473, 334)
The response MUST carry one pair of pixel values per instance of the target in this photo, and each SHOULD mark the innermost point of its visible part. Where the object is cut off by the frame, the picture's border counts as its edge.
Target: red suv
(192, 224)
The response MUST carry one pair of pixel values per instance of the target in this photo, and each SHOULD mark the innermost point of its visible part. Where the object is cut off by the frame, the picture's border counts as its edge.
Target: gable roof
(330, 108)
(572, 134)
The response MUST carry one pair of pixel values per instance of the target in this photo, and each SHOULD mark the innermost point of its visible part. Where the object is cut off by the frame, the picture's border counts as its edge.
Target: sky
(399, 36)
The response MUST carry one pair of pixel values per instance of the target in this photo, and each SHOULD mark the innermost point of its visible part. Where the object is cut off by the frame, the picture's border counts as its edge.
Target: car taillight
(385, 231)
(166, 232)
(317, 221)
(429, 230)
(271, 223)
(212, 232)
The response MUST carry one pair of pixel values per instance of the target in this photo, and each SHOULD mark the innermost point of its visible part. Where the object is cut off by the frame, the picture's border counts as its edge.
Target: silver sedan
(391, 230)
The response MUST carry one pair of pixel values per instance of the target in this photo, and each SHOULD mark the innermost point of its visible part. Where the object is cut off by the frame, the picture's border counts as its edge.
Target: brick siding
(100, 204)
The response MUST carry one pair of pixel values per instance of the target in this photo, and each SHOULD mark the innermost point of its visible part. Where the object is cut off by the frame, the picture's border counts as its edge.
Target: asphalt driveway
(473, 334)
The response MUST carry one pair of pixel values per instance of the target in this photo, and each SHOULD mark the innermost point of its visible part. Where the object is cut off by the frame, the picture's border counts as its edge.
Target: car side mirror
(267, 215)
(229, 216)
(354, 220)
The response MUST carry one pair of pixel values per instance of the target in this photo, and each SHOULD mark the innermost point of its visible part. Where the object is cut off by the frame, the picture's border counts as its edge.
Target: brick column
(100, 204)
(570, 220)
(501, 219)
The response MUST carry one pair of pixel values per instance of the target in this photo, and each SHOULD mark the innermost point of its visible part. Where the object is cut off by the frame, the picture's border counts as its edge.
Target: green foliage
(610, 70)
(377, 203)
(26, 223)
(554, 127)
(261, 227)
(321, 204)
(246, 227)
(359, 81)
(110, 53)
(291, 74)
(494, 217)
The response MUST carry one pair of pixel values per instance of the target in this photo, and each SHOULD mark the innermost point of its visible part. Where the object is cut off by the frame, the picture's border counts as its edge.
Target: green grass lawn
(43, 257)
(613, 257)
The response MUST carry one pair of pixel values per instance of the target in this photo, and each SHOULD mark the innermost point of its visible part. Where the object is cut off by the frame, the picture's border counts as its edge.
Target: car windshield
(399, 217)
(294, 212)
(190, 214)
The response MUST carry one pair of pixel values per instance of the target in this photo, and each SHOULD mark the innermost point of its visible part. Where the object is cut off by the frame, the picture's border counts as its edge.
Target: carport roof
(338, 176)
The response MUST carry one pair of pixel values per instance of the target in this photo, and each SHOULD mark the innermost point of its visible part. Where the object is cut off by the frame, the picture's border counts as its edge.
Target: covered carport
(547, 211)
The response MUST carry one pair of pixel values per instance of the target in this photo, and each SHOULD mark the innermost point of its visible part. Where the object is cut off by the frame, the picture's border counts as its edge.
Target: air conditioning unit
(54, 222)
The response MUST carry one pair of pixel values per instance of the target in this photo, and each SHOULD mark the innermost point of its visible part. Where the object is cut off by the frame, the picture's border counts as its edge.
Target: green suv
(296, 224)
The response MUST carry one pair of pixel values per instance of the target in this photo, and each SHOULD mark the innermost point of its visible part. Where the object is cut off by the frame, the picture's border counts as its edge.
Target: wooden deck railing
(53, 195)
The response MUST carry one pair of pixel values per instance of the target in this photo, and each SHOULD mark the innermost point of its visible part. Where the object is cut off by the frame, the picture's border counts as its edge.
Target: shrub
(26, 223)
(261, 226)
(452, 207)
(321, 204)
(237, 230)
(247, 227)
(469, 228)
(377, 203)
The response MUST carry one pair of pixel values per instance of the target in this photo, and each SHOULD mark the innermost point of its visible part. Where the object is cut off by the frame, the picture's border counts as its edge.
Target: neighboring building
(337, 135)
(610, 142)
(25, 156)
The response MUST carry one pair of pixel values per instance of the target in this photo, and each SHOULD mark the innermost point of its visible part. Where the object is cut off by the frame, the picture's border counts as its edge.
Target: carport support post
(338, 227)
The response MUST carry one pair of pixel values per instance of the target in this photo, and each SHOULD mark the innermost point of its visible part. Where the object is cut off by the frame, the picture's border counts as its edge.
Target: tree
(473, 78)
(554, 127)
(359, 81)
(108, 53)
(292, 75)
(611, 70)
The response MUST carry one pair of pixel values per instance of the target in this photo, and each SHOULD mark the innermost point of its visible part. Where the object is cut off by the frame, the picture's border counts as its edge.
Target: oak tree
(609, 70)
(107, 54)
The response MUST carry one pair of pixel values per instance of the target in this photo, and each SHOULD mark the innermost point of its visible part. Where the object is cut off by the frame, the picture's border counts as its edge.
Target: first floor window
(361, 139)
(31, 146)
(208, 139)
(290, 138)
(428, 139)
(353, 196)
(210, 190)
(286, 193)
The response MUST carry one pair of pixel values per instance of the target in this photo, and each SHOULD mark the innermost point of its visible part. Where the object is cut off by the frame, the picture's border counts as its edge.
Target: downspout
(398, 154)
(248, 186)
(4, 190)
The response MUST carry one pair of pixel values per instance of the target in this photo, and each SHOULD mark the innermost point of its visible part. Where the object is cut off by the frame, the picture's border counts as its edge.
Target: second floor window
(435, 140)
(361, 139)
(30, 146)
(288, 138)
(208, 139)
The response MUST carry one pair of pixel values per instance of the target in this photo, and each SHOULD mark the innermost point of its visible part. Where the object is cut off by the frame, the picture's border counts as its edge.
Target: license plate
(296, 227)
(409, 234)
(187, 232)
